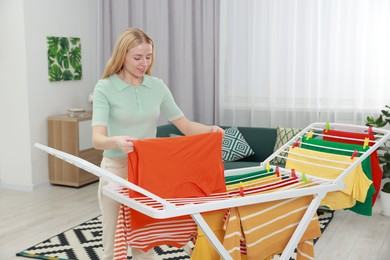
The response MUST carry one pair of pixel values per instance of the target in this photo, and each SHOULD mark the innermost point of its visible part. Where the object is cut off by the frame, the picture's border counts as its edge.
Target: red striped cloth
(175, 232)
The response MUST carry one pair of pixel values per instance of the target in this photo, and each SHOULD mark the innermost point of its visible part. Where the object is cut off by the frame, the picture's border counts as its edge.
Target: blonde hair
(128, 39)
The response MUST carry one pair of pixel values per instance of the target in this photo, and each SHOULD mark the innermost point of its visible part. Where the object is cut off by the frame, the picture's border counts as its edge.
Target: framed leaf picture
(64, 58)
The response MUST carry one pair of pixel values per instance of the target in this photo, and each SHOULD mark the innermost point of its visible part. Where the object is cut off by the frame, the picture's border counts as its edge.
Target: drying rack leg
(302, 226)
(211, 236)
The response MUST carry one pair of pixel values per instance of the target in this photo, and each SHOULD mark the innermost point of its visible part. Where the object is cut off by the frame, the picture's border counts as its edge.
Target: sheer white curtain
(295, 62)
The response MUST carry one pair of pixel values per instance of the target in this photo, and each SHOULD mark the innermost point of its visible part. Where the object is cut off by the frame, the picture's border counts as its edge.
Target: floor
(27, 218)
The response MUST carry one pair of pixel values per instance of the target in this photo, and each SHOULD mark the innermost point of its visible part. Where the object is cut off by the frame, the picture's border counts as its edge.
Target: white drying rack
(160, 208)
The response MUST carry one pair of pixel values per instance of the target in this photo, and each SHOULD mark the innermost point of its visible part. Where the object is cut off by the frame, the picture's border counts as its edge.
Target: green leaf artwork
(64, 58)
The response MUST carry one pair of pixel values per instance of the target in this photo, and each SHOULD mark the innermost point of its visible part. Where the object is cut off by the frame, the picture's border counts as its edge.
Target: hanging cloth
(339, 136)
(253, 183)
(268, 226)
(263, 230)
(235, 239)
(203, 249)
(309, 162)
(363, 208)
(268, 186)
(175, 232)
(248, 176)
(175, 167)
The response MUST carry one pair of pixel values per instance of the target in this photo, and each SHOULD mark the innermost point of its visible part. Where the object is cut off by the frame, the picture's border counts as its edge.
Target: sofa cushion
(283, 135)
(261, 140)
(234, 145)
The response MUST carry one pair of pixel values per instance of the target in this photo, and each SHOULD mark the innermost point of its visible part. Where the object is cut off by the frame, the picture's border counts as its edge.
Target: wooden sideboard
(73, 135)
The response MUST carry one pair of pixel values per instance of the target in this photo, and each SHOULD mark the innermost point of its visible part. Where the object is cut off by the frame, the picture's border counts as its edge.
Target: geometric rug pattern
(80, 242)
(84, 242)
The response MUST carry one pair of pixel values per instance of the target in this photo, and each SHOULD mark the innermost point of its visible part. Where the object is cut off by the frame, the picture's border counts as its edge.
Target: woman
(127, 102)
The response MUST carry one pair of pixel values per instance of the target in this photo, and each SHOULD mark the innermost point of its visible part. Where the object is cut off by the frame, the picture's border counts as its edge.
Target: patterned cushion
(234, 146)
(283, 135)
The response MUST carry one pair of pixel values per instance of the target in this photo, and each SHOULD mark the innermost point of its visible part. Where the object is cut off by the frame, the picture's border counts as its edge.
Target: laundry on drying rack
(351, 150)
(187, 166)
(262, 230)
(158, 165)
(267, 228)
(330, 166)
(203, 249)
(254, 175)
(175, 232)
(359, 138)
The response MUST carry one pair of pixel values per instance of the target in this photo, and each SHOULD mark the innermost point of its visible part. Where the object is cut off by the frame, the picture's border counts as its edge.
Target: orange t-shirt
(176, 167)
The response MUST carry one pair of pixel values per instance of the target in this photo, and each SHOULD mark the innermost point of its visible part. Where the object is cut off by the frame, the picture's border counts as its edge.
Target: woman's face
(138, 60)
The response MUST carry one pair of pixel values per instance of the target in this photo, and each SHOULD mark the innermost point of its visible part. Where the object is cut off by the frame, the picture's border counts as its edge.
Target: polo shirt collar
(120, 85)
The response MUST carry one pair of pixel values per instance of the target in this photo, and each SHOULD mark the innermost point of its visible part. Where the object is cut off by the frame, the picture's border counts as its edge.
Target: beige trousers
(110, 211)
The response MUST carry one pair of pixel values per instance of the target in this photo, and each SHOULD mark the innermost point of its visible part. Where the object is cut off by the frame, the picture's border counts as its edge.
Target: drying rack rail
(160, 208)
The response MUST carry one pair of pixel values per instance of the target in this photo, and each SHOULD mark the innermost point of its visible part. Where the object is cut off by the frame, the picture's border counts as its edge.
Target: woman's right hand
(125, 143)
(102, 142)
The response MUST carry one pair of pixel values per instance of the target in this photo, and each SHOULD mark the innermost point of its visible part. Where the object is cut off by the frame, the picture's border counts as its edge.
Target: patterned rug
(84, 242)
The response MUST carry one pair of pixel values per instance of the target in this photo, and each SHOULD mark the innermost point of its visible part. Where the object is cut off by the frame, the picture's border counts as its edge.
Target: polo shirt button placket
(139, 106)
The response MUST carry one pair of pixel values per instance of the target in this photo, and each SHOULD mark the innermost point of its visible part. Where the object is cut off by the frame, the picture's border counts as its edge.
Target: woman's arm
(100, 140)
(188, 127)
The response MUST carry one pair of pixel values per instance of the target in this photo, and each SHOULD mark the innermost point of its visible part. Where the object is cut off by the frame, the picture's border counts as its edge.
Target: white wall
(15, 162)
(28, 97)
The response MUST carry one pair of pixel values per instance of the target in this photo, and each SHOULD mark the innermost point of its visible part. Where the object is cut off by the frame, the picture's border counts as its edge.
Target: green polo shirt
(132, 111)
